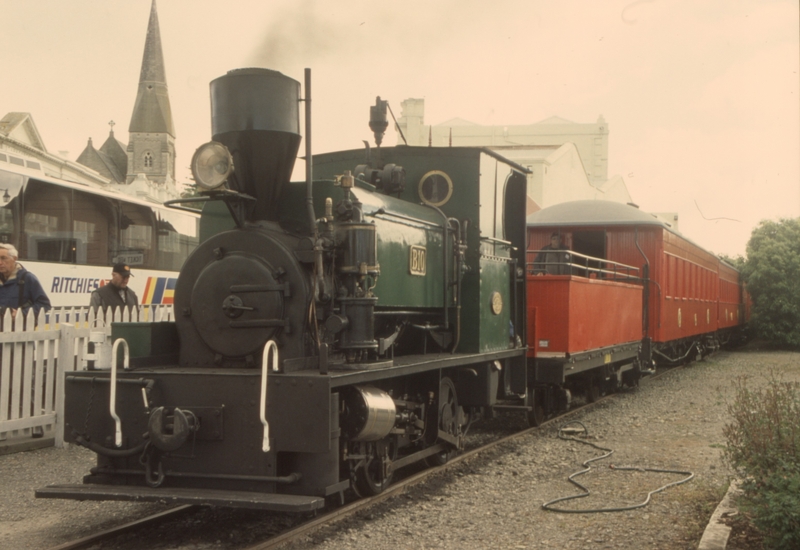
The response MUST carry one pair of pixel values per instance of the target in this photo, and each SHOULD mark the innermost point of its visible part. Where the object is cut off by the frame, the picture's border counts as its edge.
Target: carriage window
(10, 186)
(671, 284)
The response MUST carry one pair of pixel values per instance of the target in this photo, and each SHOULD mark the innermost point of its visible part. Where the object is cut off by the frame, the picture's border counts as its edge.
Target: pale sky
(701, 98)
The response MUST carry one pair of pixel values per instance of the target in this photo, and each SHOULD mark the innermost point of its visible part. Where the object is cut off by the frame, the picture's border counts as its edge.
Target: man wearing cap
(116, 293)
(552, 260)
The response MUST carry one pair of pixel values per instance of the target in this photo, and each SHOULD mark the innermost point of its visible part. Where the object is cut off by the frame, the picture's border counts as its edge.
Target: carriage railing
(581, 265)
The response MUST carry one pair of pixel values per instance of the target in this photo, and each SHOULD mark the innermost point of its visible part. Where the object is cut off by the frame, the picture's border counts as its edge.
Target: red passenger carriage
(630, 289)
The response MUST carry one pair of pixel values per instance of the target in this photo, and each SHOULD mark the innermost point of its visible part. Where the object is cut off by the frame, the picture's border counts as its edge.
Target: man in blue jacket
(20, 288)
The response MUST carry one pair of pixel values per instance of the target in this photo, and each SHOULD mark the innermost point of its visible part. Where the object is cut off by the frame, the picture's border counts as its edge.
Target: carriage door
(592, 244)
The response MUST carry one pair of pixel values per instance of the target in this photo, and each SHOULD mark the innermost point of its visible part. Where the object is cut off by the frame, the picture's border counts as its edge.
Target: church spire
(151, 149)
(152, 112)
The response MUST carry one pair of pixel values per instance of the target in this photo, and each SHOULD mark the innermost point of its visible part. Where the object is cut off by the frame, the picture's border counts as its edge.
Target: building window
(148, 160)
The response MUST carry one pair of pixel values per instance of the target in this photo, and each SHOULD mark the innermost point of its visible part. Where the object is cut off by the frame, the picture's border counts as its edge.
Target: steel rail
(125, 527)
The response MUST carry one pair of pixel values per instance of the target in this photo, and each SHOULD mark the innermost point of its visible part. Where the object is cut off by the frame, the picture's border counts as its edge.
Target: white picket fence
(32, 371)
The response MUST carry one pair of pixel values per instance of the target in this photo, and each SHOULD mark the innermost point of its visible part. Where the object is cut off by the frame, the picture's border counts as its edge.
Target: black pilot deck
(177, 495)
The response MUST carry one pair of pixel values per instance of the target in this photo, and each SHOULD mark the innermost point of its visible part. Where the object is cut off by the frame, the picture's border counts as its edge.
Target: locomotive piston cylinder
(371, 413)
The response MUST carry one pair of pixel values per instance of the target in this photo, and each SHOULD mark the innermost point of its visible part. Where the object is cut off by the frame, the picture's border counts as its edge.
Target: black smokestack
(255, 114)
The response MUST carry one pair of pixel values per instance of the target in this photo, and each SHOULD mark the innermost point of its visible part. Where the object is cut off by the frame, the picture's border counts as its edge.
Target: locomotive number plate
(417, 259)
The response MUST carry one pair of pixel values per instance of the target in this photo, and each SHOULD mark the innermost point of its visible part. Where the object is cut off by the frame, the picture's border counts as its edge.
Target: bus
(71, 234)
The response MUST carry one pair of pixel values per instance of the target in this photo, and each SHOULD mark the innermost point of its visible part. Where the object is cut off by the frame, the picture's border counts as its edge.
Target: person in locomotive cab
(552, 260)
(116, 293)
(20, 288)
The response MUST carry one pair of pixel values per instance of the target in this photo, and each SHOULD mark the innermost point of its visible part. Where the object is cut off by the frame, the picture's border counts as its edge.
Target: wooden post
(66, 360)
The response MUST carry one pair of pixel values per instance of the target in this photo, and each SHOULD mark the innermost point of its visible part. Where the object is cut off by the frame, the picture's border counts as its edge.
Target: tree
(737, 261)
(189, 190)
(772, 275)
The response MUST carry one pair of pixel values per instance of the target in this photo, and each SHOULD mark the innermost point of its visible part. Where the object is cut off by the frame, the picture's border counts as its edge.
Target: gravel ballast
(492, 501)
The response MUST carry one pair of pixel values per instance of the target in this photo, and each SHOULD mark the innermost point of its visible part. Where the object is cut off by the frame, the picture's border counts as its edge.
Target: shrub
(763, 446)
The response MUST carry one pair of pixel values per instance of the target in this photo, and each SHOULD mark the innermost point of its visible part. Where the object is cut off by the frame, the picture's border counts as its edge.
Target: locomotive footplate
(176, 495)
(414, 364)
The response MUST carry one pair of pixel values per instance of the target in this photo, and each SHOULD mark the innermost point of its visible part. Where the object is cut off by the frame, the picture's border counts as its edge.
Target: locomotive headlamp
(212, 164)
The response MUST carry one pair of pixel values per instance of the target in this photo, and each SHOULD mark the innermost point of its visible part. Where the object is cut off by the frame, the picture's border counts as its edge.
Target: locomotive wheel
(448, 413)
(536, 414)
(369, 481)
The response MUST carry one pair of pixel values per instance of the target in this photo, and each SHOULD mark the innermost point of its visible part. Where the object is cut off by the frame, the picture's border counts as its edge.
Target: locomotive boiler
(326, 333)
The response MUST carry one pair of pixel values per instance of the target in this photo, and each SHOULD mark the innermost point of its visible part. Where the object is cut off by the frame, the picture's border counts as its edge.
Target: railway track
(305, 528)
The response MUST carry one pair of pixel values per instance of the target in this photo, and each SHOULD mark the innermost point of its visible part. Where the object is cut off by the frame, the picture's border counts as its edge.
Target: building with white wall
(568, 160)
(22, 145)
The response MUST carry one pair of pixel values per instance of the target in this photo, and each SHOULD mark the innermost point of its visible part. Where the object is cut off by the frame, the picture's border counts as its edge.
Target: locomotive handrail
(112, 400)
(494, 240)
(613, 270)
(225, 195)
(382, 212)
(265, 366)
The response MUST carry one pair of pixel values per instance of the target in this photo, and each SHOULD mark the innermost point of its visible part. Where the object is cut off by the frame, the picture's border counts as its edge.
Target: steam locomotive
(330, 332)
(326, 333)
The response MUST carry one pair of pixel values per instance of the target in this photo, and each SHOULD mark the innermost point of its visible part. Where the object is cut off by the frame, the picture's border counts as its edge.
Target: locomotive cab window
(435, 188)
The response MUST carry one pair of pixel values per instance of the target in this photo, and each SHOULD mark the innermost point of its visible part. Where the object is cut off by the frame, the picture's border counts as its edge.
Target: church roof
(115, 151)
(101, 162)
(152, 112)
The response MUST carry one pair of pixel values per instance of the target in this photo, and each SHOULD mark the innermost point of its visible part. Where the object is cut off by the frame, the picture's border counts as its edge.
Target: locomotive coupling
(169, 431)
